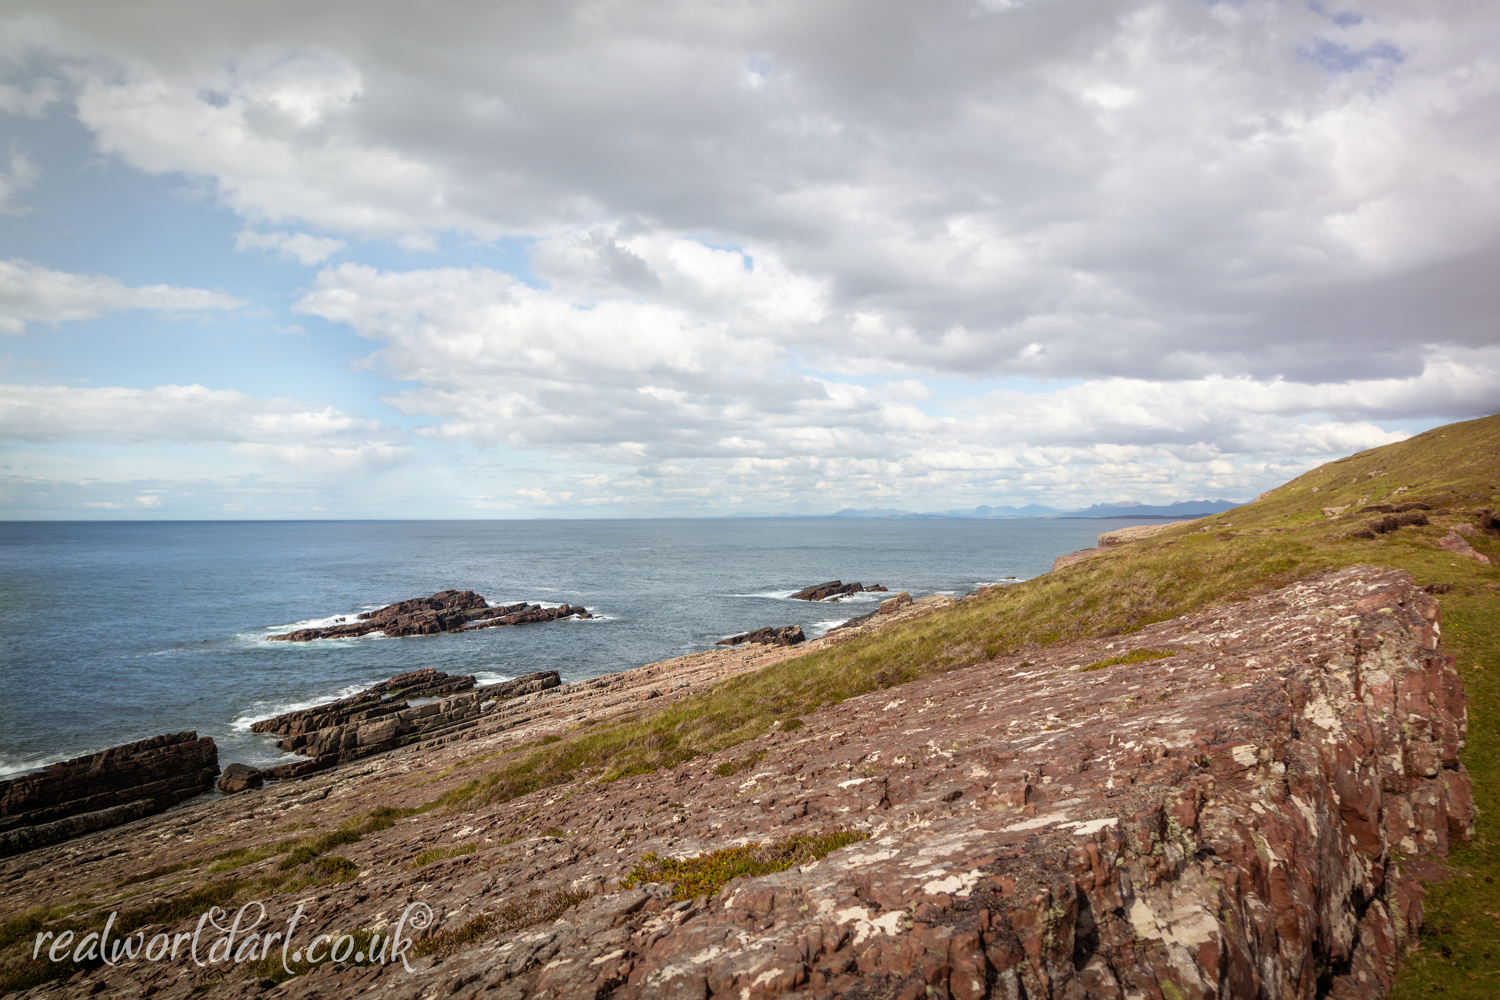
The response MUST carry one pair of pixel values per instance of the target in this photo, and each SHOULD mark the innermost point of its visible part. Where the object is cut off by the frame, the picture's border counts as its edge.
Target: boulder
(891, 605)
(239, 778)
(1459, 546)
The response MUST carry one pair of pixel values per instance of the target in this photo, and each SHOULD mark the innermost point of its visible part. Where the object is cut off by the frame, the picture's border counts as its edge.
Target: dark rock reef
(834, 589)
(446, 611)
(382, 718)
(104, 789)
(787, 635)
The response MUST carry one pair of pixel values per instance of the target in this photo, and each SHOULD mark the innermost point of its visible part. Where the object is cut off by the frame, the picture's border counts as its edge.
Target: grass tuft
(706, 874)
(1134, 656)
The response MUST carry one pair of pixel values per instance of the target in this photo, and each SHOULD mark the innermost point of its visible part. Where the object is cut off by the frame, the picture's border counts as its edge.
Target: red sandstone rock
(832, 589)
(239, 778)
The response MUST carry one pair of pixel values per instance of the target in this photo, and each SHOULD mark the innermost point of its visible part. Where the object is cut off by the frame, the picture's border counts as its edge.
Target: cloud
(787, 252)
(301, 247)
(29, 292)
(276, 432)
(1118, 188)
(20, 177)
(700, 402)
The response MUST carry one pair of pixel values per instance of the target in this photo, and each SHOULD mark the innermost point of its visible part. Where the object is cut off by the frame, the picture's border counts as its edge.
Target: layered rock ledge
(1221, 805)
(786, 635)
(445, 611)
(833, 590)
(104, 789)
(382, 718)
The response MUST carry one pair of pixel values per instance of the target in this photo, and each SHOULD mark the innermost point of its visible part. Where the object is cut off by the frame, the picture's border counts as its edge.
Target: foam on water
(817, 629)
(264, 710)
(484, 678)
(11, 766)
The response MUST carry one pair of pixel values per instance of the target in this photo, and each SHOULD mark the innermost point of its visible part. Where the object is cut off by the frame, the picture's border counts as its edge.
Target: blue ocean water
(115, 631)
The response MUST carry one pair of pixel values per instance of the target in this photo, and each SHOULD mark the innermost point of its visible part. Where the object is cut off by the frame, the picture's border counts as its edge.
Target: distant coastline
(1102, 511)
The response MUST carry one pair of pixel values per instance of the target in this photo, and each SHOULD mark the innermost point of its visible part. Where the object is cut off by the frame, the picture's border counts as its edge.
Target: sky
(630, 259)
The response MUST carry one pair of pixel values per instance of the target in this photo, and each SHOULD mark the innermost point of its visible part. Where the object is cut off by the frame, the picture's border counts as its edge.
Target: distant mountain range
(1181, 509)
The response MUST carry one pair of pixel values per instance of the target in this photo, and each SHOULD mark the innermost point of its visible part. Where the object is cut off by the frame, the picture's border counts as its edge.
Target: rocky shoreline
(1221, 818)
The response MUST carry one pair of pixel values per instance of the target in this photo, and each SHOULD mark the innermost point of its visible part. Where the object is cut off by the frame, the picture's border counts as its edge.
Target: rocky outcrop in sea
(445, 611)
(382, 718)
(833, 590)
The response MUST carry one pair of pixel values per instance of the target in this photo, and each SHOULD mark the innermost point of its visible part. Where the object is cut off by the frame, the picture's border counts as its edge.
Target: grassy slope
(1254, 548)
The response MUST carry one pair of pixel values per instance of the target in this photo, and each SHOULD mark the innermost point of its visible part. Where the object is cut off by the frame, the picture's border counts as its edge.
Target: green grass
(441, 854)
(1463, 915)
(1134, 656)
(706, 874)
(735, 765)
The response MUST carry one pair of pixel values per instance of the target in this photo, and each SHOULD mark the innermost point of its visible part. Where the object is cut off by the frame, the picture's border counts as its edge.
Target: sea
(117, 631)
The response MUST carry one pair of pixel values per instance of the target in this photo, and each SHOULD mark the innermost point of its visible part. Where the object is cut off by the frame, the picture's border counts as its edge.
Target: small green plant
(336, 869)
(706, 874)
(738, 764)
(1134, 656)
(435, 854)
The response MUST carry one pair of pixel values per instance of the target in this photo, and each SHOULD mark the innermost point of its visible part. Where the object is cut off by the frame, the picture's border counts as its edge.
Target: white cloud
(697, 402)
(30, 99)
(29, 292)
(301, 247)
(275, 432)
(773, 239)
(20, 177)
(1141, 189)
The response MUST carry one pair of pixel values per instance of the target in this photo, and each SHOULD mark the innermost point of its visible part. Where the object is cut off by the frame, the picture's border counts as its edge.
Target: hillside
(535, 782)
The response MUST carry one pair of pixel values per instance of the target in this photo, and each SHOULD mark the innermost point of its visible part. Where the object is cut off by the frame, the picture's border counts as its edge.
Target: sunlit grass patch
(436, 854)
(706, 874)
(1134, 656)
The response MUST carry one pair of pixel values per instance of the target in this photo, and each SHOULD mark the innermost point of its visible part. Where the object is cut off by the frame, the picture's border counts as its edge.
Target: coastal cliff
(1218, 760)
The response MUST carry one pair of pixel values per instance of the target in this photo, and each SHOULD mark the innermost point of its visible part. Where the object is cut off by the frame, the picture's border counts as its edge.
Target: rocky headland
(1217, 759)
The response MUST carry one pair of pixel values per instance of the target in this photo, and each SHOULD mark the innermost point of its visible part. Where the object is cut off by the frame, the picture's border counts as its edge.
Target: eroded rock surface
(382, 718)
(104, 789)
(1218, 822)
